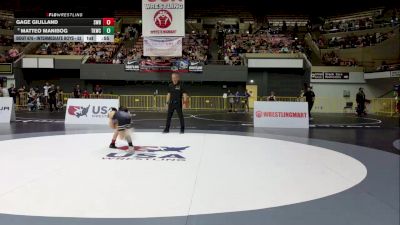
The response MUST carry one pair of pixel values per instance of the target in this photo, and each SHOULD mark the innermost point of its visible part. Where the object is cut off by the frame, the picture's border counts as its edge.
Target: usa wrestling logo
(91, 111)
(78, 111)
(149, 153)
(163, 19)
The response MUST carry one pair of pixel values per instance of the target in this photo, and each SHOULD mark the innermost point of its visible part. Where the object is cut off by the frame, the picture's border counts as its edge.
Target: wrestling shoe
(112, 145)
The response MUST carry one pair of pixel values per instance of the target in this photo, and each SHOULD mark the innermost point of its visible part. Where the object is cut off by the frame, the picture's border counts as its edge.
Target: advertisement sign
(281, 114)
(336, 76)
(330, 76)
(162, 46)
(7, 110)
(164, 65)
(317, 75)
(395, 73)
(89, 111)
(162, 18)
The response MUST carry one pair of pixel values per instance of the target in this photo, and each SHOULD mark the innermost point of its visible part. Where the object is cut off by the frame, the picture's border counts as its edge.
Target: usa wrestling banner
(162, 46)
(162, 18)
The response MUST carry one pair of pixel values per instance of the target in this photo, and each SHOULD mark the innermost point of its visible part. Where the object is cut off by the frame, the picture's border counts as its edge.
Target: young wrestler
(120, 121)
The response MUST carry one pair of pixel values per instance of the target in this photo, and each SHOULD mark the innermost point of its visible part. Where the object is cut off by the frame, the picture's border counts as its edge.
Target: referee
(176, 98)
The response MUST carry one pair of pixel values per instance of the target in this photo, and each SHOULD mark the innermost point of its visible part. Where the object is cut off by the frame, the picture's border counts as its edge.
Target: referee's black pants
(171, 108)
(310, 105)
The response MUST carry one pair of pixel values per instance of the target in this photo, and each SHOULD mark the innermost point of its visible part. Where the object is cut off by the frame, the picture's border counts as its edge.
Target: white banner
(162, 46)
(163, 18)
(395, 73)
(7, 110)
(281, 114)
(89, 111)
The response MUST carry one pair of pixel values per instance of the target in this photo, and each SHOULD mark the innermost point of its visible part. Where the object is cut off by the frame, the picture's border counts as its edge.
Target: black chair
(349, 106)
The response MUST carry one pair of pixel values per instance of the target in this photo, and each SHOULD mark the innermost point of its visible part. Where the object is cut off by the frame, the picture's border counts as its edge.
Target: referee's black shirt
(176, 91)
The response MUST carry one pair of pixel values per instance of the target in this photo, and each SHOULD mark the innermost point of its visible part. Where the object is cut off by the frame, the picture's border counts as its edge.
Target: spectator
(46, 88)
(246, 101)
(21, 95)
(85, 94)
(272, 97)
(59, 97)
(310, 98)
(238, 101)
(97, 90)
(32, 100)
(361, 100)
(12, 92)
(77, 91)
(231, 100)
(13, 53)
(52, 98)
(3, 90)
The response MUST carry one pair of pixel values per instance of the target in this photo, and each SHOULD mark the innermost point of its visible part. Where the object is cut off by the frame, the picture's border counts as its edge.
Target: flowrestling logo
(92, 111)
(149, 153)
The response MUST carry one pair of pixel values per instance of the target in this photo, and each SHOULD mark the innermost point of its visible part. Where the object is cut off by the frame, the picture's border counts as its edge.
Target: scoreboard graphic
(53, 29)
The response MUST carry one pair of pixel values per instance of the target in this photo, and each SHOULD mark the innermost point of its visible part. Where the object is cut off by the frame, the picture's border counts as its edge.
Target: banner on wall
(164, 65)
(395, 73)
(7, 110)
(330, 76)
(89, 111)
(162, 46)
(281, 114)
(161, 18)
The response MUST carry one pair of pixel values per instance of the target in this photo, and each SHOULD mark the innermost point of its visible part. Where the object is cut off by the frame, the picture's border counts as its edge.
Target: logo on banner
(80, 111)
(259, 114)
(163, 19)
(268, 114)
(4, 108)
(153, 153)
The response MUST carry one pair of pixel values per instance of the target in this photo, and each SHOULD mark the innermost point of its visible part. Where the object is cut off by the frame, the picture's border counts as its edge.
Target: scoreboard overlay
(64, 30)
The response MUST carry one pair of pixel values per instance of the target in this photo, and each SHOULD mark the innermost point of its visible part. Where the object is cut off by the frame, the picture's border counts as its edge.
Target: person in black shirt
(12, 92)
(361, 100)
(176, 98)
(310, 97)
(77, 91)
(52, 97)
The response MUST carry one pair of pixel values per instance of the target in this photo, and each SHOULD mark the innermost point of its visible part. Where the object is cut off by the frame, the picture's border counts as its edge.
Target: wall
(285, 82)
(117, 72)
(330, 93)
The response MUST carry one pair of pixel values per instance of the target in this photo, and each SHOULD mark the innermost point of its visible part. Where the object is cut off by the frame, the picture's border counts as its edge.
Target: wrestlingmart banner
(162, 46)
(162, 18)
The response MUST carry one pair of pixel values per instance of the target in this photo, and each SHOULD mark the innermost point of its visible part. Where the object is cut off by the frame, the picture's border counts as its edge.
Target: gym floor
(343, 170)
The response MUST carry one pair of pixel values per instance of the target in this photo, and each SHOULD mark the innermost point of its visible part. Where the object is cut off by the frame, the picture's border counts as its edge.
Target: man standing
(310, 97)
(176, 98)
(77, 91)
(46, 88)
(12, 92)
(360, 99)
(52, 93)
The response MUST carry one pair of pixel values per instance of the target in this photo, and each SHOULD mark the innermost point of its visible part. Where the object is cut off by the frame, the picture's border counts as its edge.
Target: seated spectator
(32, 100)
